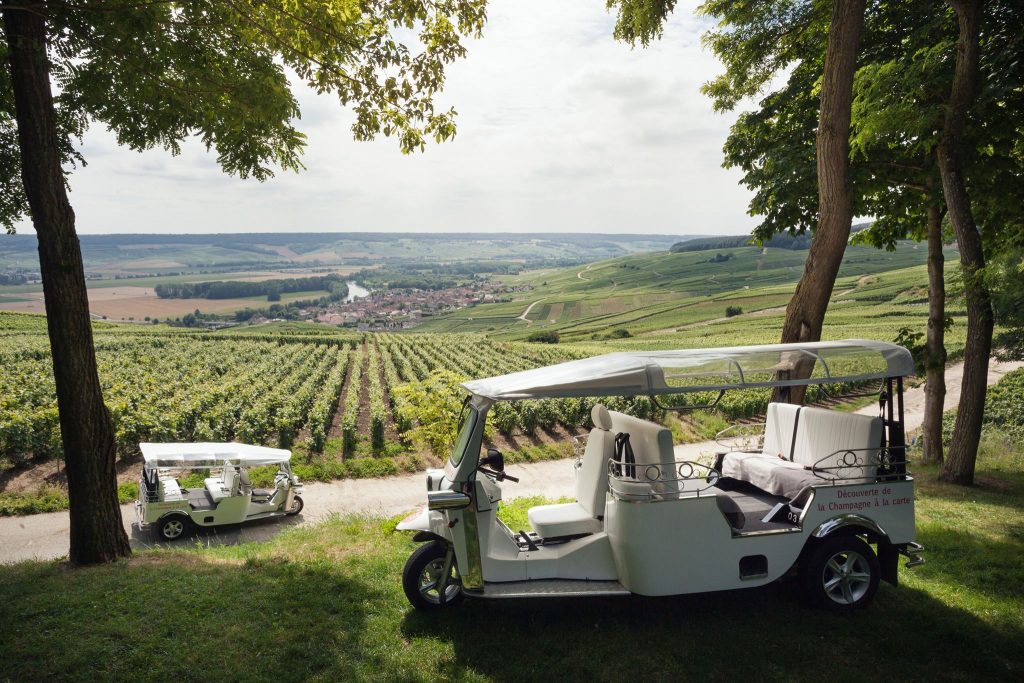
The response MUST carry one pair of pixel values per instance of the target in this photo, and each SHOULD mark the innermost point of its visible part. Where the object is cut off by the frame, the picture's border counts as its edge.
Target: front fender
(425, 520)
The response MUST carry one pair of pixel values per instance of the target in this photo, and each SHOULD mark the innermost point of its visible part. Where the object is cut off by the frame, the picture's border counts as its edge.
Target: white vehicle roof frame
(209, 455)
(654, 373)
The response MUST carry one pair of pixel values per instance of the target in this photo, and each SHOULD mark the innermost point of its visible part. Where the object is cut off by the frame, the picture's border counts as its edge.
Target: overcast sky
(560, 128)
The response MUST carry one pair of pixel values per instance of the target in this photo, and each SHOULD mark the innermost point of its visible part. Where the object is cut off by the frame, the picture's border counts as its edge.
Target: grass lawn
(325, 603)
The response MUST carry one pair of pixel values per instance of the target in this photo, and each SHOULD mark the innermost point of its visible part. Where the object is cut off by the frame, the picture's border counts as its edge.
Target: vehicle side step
(548, 588)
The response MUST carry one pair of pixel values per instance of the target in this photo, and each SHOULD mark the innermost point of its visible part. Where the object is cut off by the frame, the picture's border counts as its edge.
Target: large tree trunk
(806, 310)
(935, 348)
(963, 450)
(97, 534)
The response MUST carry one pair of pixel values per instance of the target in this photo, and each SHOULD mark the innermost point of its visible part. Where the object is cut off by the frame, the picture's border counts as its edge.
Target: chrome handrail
(849, 460)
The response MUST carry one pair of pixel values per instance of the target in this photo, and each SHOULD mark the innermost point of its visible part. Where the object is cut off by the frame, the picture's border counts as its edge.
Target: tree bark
(806, 310)
(87, 432)
(935, 348)
(963, 449)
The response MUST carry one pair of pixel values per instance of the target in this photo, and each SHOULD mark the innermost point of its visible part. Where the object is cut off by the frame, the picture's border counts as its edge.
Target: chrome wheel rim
(430, 578)
(846, 577)
(173, 528)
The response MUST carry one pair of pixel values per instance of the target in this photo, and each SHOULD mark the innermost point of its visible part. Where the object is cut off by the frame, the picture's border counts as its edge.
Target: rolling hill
(667, 293)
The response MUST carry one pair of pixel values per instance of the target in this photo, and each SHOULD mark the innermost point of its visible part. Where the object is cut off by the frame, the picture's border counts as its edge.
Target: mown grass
(324, 602)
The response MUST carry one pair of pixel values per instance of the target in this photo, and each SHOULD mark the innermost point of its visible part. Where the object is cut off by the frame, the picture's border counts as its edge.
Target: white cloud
(560, 129)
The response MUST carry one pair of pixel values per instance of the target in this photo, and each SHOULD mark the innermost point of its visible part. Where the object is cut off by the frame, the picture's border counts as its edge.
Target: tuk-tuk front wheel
(422, 576)
(296, 507)
(841, 574)
(171, 528)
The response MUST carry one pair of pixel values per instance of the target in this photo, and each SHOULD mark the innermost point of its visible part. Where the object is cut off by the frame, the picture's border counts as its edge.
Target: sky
(560, 128)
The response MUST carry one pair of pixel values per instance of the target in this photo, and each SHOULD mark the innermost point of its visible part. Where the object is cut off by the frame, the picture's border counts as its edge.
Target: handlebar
(500, 476)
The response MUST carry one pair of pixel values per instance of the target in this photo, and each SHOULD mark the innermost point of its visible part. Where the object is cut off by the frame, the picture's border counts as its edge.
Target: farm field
(353, 404)
(132, 302)
(658, 293)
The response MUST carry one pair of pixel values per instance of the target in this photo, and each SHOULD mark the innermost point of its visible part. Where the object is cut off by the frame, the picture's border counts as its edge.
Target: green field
(662, 293)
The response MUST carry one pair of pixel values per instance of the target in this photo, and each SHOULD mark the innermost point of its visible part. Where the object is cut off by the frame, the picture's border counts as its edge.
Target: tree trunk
(806, 310)
(963, 449)
(935, 348)
(97, 534)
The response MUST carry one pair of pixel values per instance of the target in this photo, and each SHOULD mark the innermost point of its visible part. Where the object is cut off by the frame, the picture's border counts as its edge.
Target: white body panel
(671, 546)
(687, 546)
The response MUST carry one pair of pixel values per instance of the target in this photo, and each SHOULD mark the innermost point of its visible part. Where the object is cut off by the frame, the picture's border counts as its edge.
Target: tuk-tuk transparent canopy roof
(210, 454)
(636, 373)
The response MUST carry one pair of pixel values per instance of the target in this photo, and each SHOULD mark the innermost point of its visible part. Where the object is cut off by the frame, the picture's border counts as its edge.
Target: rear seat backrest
(592, 477)
(229, 479)
(652, 445)
(244, 482)
(826, 432)
(778, 430)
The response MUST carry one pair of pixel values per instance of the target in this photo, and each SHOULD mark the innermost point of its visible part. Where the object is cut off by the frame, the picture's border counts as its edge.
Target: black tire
(426, 563)
(172, 528)
(297, 506)
(841, 574)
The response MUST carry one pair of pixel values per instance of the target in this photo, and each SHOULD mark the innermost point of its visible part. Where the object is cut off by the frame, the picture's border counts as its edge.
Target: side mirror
(494, 459)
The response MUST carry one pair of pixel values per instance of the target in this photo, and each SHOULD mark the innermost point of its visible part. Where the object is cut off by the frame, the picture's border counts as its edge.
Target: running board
(548, 588)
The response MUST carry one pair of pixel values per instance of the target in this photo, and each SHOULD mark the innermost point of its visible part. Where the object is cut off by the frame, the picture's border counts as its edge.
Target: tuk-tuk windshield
(462, 441)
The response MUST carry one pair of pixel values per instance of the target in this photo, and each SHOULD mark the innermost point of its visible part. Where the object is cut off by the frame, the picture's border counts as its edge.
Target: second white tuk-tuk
(227, 495)
(814, 492)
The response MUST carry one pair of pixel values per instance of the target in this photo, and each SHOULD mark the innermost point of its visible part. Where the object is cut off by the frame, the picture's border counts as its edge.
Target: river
(355, 291)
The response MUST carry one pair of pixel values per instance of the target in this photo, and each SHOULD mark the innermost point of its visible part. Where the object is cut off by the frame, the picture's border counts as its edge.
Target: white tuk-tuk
(813, 492)
(227, 495)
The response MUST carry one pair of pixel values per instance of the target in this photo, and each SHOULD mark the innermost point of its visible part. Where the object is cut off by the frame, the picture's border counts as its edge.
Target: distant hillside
(134, 254)
(641, 293)
(783, 241)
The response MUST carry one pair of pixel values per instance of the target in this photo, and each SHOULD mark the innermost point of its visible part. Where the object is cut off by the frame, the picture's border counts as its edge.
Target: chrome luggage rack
(656, 482)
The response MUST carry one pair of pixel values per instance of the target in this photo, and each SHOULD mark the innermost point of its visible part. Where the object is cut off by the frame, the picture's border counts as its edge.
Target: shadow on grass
(212, 536)
(753, 634)
(183, 616)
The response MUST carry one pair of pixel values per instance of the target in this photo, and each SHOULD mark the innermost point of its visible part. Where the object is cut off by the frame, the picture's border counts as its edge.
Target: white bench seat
(215, 485)
(804, 446)
(769, 473)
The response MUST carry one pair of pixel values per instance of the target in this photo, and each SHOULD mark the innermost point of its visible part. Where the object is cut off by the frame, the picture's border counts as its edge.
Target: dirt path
(913, 400)
(580, 274)
(45, 536)
(527, 311)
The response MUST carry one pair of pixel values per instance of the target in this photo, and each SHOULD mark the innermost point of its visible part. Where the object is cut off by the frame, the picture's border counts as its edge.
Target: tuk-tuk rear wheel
(422, 572)
(173, 527)
(841, 574)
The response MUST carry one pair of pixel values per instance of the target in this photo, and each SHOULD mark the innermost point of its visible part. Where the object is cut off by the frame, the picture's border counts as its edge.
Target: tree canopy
(223, 71)
(772, 53)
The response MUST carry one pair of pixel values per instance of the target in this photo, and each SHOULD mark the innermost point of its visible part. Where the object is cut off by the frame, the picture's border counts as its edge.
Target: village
(403, 309)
